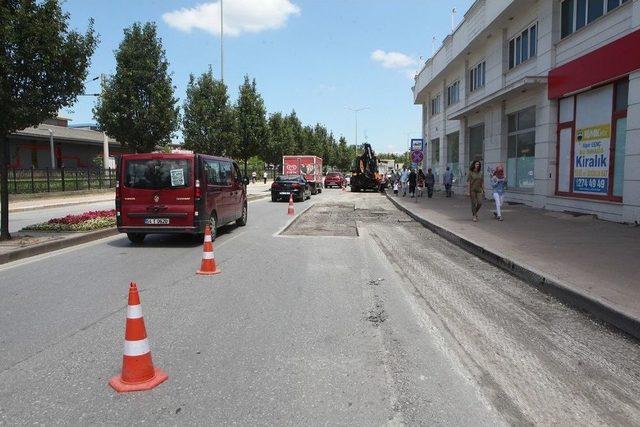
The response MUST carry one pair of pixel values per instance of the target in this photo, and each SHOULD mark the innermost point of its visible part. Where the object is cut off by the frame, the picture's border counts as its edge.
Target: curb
(56, 245)
(57, 205)
(538, 280)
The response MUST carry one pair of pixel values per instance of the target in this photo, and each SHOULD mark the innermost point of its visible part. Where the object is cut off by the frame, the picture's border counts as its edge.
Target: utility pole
(356, 110)
(221, 42)
(453, 14)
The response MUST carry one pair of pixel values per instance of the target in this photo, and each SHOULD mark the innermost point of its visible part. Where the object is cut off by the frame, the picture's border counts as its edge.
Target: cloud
(393, 59)
(240, 16)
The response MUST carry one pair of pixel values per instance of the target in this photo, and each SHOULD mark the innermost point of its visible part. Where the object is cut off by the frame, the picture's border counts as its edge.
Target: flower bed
(88, 221)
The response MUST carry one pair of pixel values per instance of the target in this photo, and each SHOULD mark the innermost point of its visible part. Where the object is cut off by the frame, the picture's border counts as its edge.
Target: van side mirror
(245, 180)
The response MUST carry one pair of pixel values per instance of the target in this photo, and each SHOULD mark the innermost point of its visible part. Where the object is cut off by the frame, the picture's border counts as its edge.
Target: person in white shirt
(404, 180)
(264, 176)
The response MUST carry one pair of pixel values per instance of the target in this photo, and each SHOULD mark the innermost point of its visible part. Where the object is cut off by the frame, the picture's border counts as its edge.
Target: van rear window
(158, 174)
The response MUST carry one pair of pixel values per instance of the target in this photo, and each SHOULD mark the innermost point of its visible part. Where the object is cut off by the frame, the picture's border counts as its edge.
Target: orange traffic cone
(138, 372)
(291, 210)
(208, 265)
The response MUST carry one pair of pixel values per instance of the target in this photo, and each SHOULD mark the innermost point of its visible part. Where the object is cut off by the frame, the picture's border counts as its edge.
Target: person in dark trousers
(421, 181)
(413, 177)
(475, 180)
(431, 181)
(447, 180)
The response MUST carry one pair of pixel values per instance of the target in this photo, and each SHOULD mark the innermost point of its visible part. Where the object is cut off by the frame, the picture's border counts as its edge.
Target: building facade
(551, 90)
(53, 144)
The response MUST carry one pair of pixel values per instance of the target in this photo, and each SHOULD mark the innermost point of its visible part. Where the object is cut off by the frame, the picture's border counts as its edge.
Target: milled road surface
(352, 315)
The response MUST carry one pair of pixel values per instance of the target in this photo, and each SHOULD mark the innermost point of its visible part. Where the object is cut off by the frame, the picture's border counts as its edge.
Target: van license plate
(156, 221)
(285, 192)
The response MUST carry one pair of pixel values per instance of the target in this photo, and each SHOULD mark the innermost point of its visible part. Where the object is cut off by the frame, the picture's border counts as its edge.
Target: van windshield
(158, 174)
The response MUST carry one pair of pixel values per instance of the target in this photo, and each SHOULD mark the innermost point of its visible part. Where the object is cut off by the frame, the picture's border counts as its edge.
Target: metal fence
(49, 180)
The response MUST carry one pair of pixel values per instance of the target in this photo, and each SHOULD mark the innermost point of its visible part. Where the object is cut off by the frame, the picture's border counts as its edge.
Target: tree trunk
(4, 188)
(245, 167)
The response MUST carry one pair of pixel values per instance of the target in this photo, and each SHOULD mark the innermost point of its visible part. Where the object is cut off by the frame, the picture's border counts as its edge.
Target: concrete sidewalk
(71, 199)
(588, 263)
(59, 201)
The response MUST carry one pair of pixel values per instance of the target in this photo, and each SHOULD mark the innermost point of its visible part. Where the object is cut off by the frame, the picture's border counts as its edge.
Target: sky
(316, 57)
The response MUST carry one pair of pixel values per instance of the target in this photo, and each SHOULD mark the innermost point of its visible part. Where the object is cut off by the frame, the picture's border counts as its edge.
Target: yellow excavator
(364, 172)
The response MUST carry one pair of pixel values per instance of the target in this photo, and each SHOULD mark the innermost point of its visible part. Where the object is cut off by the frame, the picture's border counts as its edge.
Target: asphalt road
(353, 315)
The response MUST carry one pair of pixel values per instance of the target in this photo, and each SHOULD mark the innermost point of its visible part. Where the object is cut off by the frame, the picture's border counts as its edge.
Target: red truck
(308, 166)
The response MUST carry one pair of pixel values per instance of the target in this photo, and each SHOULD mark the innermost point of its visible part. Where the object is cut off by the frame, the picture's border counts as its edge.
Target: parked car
(284, 185)
(334, 179)
(178, 193)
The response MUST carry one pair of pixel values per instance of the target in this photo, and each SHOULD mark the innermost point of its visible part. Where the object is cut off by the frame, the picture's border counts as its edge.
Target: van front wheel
(136, 238)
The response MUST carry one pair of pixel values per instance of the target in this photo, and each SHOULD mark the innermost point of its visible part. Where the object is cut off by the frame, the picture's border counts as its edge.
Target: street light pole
(221, 43)
(356, 110)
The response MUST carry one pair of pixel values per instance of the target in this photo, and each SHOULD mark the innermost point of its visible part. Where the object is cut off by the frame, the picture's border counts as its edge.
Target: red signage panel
(604, 64)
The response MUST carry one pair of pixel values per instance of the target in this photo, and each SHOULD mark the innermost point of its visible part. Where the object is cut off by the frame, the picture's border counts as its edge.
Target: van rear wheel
(242, 221)
(136, 238)
(213, 223)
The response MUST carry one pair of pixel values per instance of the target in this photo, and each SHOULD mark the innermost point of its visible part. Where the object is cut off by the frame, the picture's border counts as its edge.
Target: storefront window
(521, 148)
(592, 142)
(435, 152)
(618, 172)
(453, 152)
(476, 143)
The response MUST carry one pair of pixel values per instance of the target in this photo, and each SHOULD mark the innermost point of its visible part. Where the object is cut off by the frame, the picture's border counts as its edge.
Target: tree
(42, 68)
(345, 155)
(293, 122)
(208, 123)
(281, 140)
(137, 106)
(251, 122)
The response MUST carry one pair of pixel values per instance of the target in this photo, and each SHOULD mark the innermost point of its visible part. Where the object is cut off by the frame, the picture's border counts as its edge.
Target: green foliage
(252, 127)
(281, 139)
(43, 66)
(209, 122)
(137, 106)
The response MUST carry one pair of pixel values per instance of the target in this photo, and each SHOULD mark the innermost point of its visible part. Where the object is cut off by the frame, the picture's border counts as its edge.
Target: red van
(178, 193)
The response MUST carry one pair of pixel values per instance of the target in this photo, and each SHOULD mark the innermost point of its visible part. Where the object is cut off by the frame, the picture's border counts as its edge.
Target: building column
(546, 141)
(460, 186)
(105, 150)
(631, 186)
(52, 151)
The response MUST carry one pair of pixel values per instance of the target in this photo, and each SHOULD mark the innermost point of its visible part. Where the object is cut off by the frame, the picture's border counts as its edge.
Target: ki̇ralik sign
(591, 161)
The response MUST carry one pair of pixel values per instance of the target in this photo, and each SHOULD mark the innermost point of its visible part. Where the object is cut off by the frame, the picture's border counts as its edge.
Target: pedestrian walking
(498, 183)
(404, 180)
(264, 176)
(475, 180)
(431, 181)
(447, 180)
(396, 187)
(253, 176)
(413, 178)
(421, 180)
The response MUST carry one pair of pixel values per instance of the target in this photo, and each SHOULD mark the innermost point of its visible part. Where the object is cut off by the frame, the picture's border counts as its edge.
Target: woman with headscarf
(498, 183)
(475, 180)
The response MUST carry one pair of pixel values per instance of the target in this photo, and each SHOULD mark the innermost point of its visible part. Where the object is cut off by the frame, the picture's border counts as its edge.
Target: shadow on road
(171, 240)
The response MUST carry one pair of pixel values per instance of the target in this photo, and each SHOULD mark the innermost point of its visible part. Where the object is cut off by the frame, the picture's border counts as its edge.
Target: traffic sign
(417, 156)
(417, 144)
